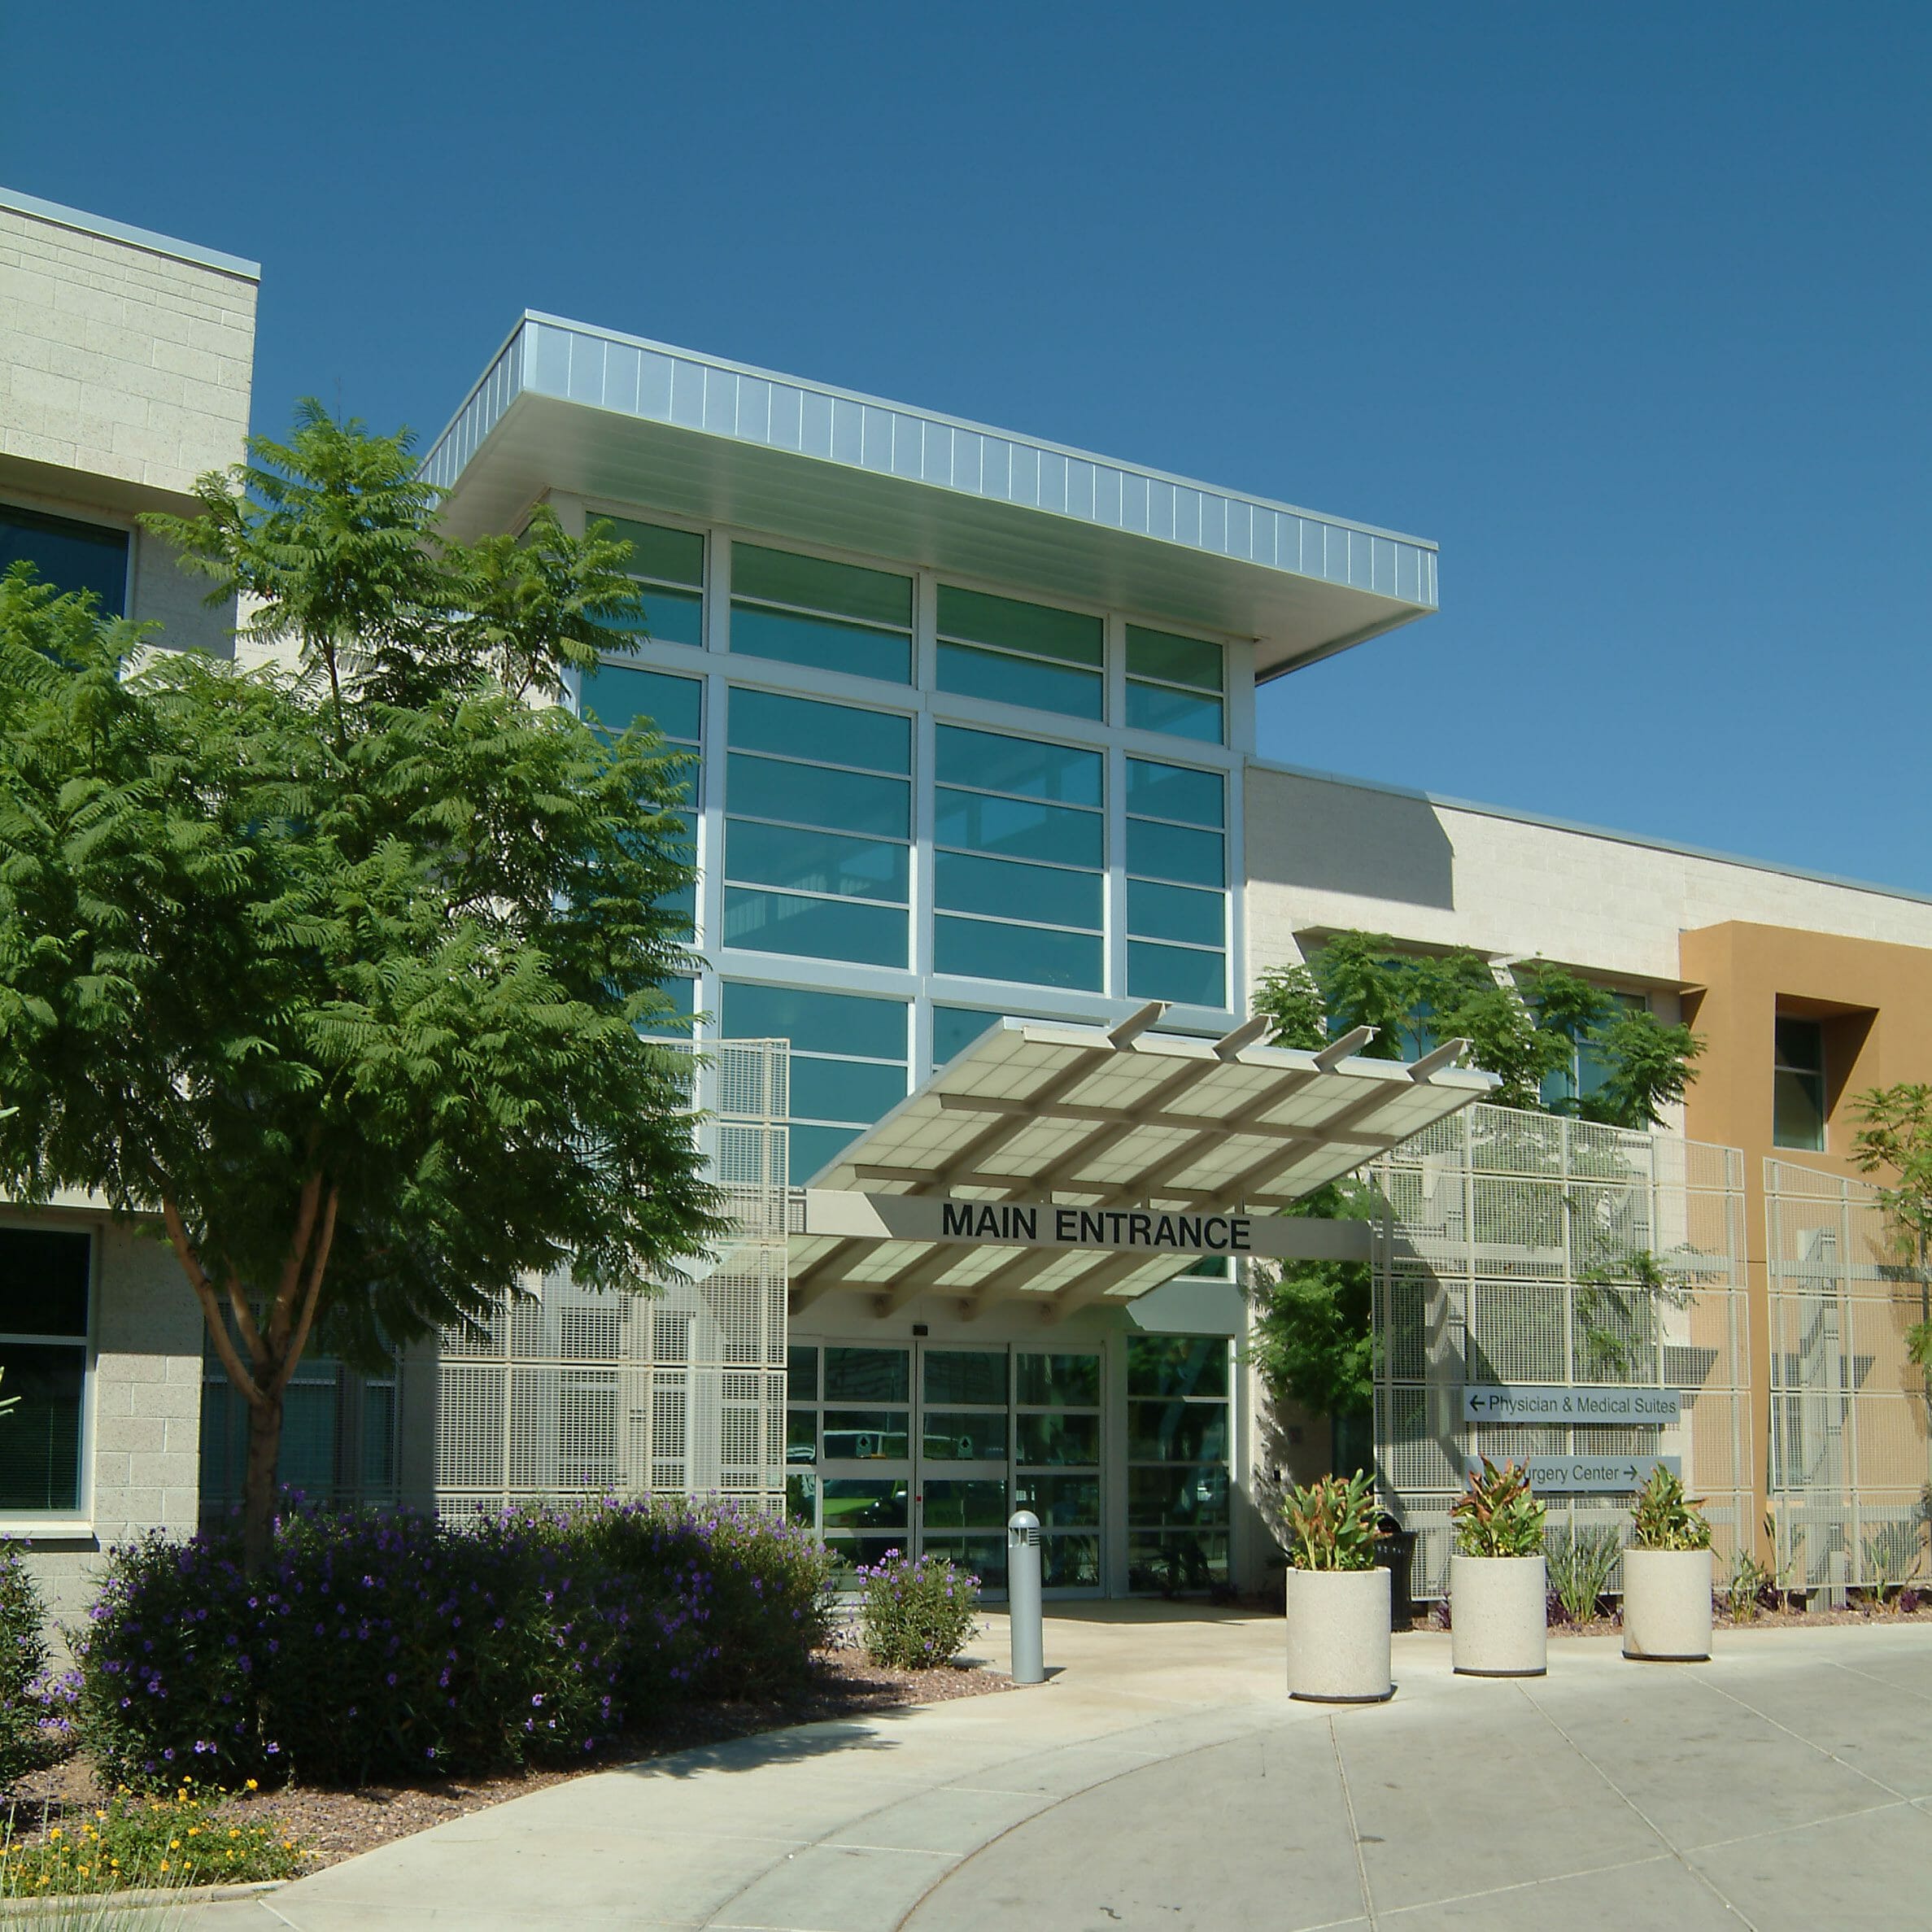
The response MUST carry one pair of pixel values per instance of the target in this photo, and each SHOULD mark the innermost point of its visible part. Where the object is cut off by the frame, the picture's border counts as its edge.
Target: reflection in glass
(1177, 1365)
(1061, 1502)
(984, 1555)
(1060, 1381)
(801, 1500)
(963, 1376)
(1177, 1560)
(848, 1552)
(861, 1502)
(867, 1435)
(963, 1436)
(1071, 1563)
(1177, 1495)
(1059, 1439)
(802, 1374)
(801, 1436)
(1177, 1431)
(866, 1374)
(954, 1505)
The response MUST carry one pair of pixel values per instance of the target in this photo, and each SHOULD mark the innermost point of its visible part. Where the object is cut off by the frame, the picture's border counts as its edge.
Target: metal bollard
(1023, 1597)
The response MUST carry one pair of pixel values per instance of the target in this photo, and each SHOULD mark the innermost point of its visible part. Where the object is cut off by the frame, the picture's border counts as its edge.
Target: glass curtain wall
(1020, 858)
(1178, 1439)
(1174, 684)
(819, 832)
(1177, 880)
(1019, 653)
(829, 617)
(45, 1277)
(668, 566)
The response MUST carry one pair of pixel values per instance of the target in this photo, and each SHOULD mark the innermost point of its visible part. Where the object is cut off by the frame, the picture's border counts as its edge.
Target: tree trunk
(258, 1489)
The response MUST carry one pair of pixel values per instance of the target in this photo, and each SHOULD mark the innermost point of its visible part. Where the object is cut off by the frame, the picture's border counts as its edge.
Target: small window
(72, 556)
(1019, 653)
(44, 1275)
(670, 567)
(829, 617)
(1798, 1085)
(1174, 685)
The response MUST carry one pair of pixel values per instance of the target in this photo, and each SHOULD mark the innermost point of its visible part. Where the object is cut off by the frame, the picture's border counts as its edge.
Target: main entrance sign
(1607, 1405)
(1047, 1224)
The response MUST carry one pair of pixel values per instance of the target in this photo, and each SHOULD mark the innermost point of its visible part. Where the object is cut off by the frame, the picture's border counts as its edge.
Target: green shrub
(384, 1644)
(1663, 1518)
(1498, 1515)
(1332, 1524)
(189, 1836)
(23, 1735)
(1581, 1563)
(916, 1615)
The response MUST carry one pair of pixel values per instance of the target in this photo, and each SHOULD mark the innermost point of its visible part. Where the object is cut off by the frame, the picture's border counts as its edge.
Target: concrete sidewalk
(1163, 1778)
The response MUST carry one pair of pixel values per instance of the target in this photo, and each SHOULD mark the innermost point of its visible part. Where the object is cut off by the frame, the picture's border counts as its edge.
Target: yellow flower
(251, 1785)
(164, 1864)
(54, 1833)
(174, 1844)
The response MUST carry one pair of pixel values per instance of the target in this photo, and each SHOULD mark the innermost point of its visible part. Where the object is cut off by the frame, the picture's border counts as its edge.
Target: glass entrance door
(928, 1447)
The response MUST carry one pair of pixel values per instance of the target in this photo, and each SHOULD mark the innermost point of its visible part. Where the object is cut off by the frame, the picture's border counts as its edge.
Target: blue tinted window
(675, 1024)
(1173, 791)
(72, 556)
(846, 801)
(955, 1028)
(1009, 890)
(815, 583)
(1171, 659)
(821, 643)
(1015, 828)
(804, 728)
(677, 556)
(817, 1022)
(844, 1089)
(814, 1147)
(1179, 713)
(1026, 681)
(615, 695)
(766, 921)
(666, 617)
(992, 762)
(1173, 973)
(1175, 852)
(1175, 913)
(1035, 955)
(1035, 628)
(815, 861)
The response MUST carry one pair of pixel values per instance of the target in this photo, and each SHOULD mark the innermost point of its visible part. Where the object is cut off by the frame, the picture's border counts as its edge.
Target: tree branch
(311, 1293)
(282, 1311)
(210, 1309)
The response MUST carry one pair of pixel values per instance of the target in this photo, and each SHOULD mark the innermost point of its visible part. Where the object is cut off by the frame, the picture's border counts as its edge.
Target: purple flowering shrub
(916, 1616)
(386, 1644)
(25, 1738)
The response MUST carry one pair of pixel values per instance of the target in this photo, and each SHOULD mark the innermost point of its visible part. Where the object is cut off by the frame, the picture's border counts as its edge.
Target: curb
(185, 1896)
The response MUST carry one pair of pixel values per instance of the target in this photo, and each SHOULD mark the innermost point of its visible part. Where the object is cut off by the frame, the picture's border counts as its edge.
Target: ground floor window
(46, 1275)
(338, 1436)
(1178, 1439)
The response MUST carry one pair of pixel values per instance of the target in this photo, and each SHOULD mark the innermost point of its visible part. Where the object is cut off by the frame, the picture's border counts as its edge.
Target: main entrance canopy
(1063, 1165)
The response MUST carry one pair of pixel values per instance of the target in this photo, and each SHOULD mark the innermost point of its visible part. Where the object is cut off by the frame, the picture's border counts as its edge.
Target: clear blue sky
(1626, 306)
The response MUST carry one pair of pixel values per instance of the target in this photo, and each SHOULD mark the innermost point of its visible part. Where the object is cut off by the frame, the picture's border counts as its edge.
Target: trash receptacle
(1395, 1552)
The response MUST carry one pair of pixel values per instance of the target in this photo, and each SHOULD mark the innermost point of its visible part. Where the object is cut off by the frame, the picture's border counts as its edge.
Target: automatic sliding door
(1057, 1427)
(965, 1406)
(849, 1449)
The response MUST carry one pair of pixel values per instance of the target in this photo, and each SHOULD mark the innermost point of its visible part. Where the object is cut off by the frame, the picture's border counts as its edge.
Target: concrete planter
(1338, 1636)
(1667, 1605)
(1499, 1615)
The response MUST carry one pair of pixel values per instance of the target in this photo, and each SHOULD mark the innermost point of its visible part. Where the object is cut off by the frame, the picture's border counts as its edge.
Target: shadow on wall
(1326, 836)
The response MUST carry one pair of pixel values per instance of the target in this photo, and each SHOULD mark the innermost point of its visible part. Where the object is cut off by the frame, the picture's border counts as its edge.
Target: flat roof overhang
(1103, 1118)
(564, 407)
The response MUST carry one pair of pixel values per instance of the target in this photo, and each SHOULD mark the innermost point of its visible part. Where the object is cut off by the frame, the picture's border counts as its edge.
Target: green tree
(340, 970)
(1313, 1339)
(1896, 1138)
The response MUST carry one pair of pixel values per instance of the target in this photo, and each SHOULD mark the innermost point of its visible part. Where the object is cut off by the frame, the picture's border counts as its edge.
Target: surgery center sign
(1047, 1224)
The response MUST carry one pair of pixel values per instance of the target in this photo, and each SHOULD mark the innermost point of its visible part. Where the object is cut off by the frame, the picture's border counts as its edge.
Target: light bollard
(1023, 1597)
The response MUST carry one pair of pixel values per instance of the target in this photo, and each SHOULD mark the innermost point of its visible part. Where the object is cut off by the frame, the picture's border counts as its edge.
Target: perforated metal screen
(1512, 1254)
(569, 1392)
(1850, 1449)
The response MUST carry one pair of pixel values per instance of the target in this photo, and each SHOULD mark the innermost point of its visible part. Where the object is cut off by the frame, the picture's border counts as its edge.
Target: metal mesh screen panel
(1851, 1448)
(571, 1393)
(1507, 1255)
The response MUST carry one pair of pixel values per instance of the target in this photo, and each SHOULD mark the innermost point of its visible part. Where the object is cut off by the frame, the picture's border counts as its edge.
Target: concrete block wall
(124, 358)
(146, 1414)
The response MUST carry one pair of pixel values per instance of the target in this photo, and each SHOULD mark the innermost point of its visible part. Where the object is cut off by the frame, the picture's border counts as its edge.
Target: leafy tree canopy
(1895, 1139)
(339, 966)
(1524, 1033)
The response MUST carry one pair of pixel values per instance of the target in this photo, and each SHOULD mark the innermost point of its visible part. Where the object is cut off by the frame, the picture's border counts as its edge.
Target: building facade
(972, 724)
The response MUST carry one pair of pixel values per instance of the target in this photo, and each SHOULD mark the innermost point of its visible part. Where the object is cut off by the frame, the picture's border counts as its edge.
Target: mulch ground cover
(331, 1825)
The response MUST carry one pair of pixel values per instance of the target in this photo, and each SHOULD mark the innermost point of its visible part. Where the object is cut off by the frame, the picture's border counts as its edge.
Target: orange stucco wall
(1874, 1000)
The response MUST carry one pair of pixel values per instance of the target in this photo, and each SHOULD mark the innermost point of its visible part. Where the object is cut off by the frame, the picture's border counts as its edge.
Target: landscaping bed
(330, 1826)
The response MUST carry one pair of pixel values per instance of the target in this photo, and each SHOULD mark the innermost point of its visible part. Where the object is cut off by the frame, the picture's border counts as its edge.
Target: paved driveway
(1163, 1779)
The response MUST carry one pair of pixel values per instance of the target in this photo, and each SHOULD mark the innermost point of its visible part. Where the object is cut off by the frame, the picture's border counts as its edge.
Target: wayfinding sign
(1618, 1473)
(1610, 1405)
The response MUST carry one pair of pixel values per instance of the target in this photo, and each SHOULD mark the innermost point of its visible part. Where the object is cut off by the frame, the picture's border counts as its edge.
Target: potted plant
(1498, 1582)
(1667, 1575)
(1337, 1598)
